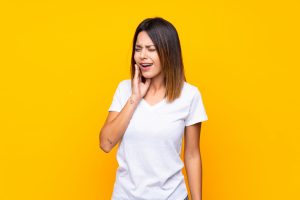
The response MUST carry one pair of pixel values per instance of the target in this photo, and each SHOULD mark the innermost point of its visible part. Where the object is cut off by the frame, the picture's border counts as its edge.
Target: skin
(154, 88)
(192, 160)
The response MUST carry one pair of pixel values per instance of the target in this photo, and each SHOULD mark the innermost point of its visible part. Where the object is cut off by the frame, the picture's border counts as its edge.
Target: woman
(148, 116)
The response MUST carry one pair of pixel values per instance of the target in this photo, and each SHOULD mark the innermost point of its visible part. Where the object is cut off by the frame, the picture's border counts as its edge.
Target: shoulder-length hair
(165, 38)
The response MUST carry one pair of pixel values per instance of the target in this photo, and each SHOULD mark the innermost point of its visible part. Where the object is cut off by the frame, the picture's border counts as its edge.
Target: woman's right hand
(139, 89)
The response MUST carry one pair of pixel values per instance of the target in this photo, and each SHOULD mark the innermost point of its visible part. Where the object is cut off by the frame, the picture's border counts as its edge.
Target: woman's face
(146, 53)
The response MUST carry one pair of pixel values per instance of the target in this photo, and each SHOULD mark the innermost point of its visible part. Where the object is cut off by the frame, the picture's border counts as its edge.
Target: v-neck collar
(153, 106)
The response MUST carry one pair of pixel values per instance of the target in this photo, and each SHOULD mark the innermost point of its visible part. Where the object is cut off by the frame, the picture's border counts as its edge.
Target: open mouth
(146, 66)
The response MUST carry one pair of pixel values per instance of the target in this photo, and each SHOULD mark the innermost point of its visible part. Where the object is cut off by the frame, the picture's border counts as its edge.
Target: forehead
(144, 39)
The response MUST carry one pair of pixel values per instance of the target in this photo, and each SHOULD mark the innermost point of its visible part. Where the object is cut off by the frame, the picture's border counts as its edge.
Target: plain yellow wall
(62, 60)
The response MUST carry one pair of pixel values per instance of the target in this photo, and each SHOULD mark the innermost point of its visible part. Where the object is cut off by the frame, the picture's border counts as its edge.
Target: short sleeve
(197, 111)
(116, 101)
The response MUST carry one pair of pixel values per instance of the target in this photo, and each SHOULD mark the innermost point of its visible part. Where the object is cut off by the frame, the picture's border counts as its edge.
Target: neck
(157, 84)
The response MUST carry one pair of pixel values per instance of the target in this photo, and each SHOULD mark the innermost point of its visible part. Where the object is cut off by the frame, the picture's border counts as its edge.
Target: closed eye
(149, 49)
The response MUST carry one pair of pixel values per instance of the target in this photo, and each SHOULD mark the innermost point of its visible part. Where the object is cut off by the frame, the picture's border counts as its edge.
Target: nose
(143, 53)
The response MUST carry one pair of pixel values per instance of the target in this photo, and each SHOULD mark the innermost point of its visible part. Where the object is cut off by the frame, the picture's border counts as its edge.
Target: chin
(148, 76)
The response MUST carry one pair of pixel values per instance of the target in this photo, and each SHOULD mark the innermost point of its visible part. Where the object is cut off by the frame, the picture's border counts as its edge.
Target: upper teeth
(146, 64)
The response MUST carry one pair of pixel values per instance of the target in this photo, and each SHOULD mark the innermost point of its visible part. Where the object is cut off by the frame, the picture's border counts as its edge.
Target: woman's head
(145, 52)
(156, 42)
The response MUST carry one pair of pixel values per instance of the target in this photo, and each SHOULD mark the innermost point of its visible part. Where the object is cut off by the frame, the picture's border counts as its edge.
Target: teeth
(146, 65)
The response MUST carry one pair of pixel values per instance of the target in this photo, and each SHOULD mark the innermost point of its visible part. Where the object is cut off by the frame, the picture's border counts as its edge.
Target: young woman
(148, 116)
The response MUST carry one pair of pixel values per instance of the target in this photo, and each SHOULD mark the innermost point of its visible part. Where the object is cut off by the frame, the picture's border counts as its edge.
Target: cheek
(156, 59)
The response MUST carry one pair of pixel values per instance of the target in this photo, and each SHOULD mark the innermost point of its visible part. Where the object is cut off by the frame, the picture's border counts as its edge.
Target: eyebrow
(146, 45)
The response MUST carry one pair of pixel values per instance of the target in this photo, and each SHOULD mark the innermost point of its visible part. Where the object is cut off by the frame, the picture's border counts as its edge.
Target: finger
(136, 73)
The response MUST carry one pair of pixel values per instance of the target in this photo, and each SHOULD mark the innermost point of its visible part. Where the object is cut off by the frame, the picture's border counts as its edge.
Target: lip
(145, 68)
(145, 63)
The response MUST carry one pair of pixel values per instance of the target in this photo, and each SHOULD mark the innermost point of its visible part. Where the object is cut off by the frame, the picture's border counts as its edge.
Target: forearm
(113, 131)
(193, 167)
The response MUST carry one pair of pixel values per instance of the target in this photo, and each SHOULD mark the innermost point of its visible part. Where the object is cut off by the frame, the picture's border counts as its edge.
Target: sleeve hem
(196, 121)
(115, 110)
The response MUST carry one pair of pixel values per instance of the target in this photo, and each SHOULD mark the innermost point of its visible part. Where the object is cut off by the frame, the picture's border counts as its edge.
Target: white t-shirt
(149, 152)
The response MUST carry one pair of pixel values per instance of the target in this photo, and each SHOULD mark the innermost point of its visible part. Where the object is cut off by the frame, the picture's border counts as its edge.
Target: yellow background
(62, 60)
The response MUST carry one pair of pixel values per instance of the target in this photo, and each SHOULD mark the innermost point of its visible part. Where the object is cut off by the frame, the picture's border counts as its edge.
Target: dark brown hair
(165, 38)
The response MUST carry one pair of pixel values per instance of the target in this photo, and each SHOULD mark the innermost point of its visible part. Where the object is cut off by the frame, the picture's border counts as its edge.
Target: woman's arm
(116, 125)
(192, 160)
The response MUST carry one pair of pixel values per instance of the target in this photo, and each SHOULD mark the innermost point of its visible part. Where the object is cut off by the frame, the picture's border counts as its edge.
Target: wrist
(134, 99)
